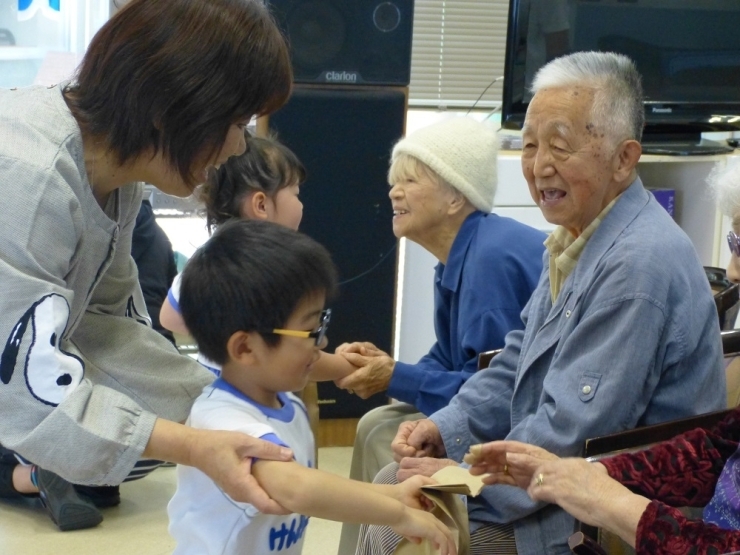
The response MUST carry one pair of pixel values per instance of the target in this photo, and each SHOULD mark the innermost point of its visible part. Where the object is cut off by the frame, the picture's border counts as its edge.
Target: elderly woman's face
(566, 159)
(420, 206)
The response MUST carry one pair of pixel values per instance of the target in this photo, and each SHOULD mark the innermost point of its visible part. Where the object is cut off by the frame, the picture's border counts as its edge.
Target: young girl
(261, 184)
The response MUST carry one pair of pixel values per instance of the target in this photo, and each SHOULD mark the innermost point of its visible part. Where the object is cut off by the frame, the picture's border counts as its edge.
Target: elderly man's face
(567, 161)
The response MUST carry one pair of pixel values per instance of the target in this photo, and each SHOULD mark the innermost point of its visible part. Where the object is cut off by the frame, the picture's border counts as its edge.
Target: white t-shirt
(173, 295)
(206, 521)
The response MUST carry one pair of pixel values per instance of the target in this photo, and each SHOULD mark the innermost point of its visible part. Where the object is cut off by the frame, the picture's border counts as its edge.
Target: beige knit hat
(462, 151)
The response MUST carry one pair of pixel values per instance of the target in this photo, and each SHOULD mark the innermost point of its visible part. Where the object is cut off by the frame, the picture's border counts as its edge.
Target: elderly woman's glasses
(318, 334)
(733, 241)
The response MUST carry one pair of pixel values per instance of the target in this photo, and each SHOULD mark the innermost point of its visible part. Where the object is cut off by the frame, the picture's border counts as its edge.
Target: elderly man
(621, 330)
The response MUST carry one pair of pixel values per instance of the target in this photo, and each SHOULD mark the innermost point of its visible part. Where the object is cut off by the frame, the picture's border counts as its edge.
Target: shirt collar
(449, 274)
(284, 413)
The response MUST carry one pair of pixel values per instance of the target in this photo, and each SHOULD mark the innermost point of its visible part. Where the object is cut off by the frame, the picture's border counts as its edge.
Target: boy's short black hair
(174, 75)
(267, 166)
(250, 276)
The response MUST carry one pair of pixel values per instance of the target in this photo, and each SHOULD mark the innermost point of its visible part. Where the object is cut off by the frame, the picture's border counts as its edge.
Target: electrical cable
(499, 78)
(366, 272)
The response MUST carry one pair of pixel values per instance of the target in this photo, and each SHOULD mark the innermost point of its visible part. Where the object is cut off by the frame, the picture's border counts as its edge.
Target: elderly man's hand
(372, 376)
(419, 438)
(423, 466)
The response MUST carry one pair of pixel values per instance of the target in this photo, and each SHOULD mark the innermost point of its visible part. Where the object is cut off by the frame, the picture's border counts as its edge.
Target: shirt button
(567, 313)
(457, 441)
(586, 389)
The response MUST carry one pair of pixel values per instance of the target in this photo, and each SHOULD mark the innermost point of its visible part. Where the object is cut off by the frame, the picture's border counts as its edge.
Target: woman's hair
(250, 276)
(266, 166)
(174, 75)
(724, 181)
(618, 102)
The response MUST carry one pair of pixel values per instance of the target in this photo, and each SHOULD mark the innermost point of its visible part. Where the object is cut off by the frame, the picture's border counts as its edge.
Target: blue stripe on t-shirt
(273, 438)
(173, 301)
(285, 413)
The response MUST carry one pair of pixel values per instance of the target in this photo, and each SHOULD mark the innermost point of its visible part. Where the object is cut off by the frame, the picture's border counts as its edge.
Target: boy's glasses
(733, 241)
(317, 335)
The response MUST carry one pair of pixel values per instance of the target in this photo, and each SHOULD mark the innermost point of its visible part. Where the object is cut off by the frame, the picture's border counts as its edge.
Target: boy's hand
(409, 493)
(417, 525)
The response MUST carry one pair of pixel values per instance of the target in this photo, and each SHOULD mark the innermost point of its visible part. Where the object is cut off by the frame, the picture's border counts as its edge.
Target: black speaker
(348, 42)
(344, 138)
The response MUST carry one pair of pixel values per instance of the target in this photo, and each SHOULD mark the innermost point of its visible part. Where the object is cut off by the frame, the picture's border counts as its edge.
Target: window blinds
(458, 49)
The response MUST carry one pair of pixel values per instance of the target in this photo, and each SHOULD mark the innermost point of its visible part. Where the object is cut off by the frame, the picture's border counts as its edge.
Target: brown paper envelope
(452, 481)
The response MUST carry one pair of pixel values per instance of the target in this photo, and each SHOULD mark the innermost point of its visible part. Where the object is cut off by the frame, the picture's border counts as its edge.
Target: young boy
(253, 298)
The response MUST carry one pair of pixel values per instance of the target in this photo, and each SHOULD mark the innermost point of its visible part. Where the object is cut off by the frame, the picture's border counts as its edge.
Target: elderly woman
(87, 387)
(617, 333)
(634, 495)
(443, 180)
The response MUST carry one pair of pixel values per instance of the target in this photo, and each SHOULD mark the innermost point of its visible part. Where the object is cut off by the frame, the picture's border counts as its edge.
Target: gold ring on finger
(540, 479)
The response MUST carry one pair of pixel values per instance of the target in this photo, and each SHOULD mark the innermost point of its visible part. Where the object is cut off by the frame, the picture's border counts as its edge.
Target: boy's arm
(331, 367)
(312, 492)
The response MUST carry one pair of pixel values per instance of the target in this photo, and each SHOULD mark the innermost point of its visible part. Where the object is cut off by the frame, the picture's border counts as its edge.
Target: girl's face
(285, 208)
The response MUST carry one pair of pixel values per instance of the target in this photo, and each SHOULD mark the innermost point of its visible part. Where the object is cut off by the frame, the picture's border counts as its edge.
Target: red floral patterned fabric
(677, 473)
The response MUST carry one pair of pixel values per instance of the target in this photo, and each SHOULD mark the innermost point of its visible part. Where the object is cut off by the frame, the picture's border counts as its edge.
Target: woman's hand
(416, 525)
(364, 348)
(225, 457)
(583, 489)
(494, 459)
(372, 376)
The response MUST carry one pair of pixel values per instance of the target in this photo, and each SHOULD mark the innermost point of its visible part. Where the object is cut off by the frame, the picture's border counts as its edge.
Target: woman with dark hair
(163, 94)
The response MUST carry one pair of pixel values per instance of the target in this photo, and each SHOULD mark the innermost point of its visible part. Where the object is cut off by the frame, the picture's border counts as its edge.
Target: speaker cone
(317, 32)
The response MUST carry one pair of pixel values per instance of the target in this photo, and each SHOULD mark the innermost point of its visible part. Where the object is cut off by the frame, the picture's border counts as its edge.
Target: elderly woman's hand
(421, 466)
(493, 459)
(372, 376)
(360, 347)
(586, 491)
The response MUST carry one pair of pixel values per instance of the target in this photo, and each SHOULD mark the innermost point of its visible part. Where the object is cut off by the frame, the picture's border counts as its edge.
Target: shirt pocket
(588, 386)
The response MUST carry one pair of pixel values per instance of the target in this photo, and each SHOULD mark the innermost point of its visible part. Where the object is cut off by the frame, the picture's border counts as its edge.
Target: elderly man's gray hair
(724, 181)
(617, 104)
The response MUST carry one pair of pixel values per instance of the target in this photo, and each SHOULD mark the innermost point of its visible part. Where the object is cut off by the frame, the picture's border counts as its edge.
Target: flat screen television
(688, 52)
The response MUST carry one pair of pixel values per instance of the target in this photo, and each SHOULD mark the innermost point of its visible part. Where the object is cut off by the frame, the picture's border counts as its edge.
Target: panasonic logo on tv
(341, 76)
(658, 110)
